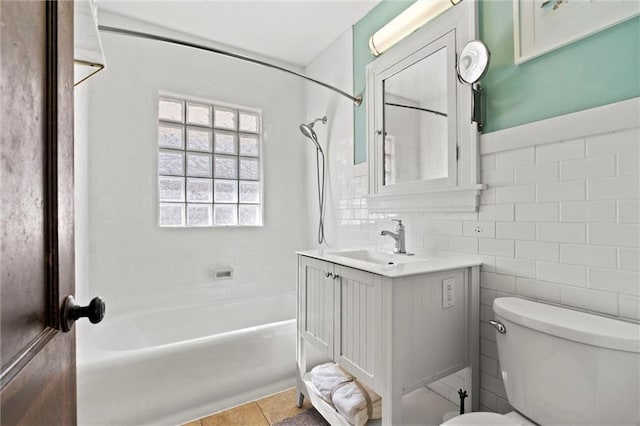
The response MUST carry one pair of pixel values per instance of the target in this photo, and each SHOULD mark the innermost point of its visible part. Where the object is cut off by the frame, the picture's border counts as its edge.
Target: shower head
(307, 130)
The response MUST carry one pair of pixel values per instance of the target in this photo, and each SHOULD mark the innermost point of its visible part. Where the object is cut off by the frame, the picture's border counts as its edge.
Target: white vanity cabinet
(339, 312)
(315, 304)
(390, 328)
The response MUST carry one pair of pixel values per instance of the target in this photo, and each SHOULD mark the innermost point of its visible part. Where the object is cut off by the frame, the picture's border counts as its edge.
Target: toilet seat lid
(481, 419)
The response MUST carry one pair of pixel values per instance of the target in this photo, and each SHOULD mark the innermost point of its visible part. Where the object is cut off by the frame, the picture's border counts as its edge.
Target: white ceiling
(294, 31)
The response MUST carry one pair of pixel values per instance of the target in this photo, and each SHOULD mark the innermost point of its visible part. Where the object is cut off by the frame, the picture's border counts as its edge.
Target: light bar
(415, 16)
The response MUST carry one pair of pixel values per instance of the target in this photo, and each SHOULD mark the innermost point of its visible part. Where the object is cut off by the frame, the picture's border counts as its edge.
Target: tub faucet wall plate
(221, 273)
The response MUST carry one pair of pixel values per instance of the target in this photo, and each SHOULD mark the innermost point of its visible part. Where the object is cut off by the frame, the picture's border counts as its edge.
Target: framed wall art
(540, 26)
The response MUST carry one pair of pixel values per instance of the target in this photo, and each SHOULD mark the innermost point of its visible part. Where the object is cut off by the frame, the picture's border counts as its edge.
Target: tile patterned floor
(263, 412)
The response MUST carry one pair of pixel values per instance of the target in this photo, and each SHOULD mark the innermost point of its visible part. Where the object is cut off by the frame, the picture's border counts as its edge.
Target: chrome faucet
(398, 237)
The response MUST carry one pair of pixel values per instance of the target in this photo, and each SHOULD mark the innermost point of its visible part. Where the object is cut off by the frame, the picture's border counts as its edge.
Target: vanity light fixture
(88, 57)
(415, 16)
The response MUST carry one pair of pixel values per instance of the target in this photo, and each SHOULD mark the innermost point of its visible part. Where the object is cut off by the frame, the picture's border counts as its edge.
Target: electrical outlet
(448, 294)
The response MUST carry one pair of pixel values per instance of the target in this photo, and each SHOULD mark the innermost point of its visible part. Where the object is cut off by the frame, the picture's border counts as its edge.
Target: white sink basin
(393, 265)
(378, 257)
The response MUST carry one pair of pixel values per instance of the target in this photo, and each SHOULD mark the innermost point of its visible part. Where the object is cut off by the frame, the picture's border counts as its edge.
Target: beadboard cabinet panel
(394, 334)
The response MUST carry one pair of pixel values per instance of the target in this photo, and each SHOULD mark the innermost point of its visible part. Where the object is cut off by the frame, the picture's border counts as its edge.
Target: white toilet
(563, 367)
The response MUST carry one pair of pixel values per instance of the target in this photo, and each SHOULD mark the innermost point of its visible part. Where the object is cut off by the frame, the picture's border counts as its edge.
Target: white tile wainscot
(387, 326)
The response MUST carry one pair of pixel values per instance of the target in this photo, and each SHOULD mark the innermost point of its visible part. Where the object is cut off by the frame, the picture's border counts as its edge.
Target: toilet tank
(563, 367)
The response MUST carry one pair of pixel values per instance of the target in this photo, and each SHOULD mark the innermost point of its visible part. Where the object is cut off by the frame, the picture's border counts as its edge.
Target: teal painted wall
(362, 30)
(595, 71)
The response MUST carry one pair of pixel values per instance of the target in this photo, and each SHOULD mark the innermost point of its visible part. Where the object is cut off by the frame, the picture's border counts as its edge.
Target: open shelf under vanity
(420, 407)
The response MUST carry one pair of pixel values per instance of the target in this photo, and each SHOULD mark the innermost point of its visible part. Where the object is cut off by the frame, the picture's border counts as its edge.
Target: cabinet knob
(336, 276)
(328, 274)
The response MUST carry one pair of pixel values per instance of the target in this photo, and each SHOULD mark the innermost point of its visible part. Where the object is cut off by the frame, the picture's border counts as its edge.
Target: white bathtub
(176, 365)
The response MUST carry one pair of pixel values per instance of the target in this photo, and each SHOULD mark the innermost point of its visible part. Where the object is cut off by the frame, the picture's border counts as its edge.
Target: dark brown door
(38, 384)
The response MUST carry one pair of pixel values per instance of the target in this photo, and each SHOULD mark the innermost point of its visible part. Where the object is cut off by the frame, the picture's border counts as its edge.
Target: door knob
(71, 311)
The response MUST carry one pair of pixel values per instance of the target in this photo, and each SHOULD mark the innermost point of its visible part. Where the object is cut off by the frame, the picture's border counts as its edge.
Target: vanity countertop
(393, 265)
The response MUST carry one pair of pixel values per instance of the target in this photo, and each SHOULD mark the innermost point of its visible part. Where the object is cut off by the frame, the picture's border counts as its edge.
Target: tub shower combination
(172, 366)
(180, 364)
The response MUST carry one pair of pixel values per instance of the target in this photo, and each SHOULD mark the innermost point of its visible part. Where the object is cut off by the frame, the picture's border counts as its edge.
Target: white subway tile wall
(628, 211)
(558, 223)
(133, 263)
(559, 151)
(546, 172)
(588, 211)
(629, 259)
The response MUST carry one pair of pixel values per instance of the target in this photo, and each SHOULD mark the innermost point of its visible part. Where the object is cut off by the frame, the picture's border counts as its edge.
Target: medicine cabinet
(423, 144)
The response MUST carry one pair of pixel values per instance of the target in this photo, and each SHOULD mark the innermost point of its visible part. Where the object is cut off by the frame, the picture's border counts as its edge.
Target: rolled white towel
(357, 403)
(326, 377)
(353, 400)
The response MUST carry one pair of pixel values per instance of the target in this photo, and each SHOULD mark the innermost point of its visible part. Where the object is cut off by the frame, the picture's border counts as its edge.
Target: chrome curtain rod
(415, 107)
(357, 100)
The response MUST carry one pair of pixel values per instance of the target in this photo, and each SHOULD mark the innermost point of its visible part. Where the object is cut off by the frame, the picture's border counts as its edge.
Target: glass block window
(209, 164)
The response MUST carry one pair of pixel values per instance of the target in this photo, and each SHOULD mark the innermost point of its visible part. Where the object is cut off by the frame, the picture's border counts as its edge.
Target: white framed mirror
(421, 138)
(415, 118)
